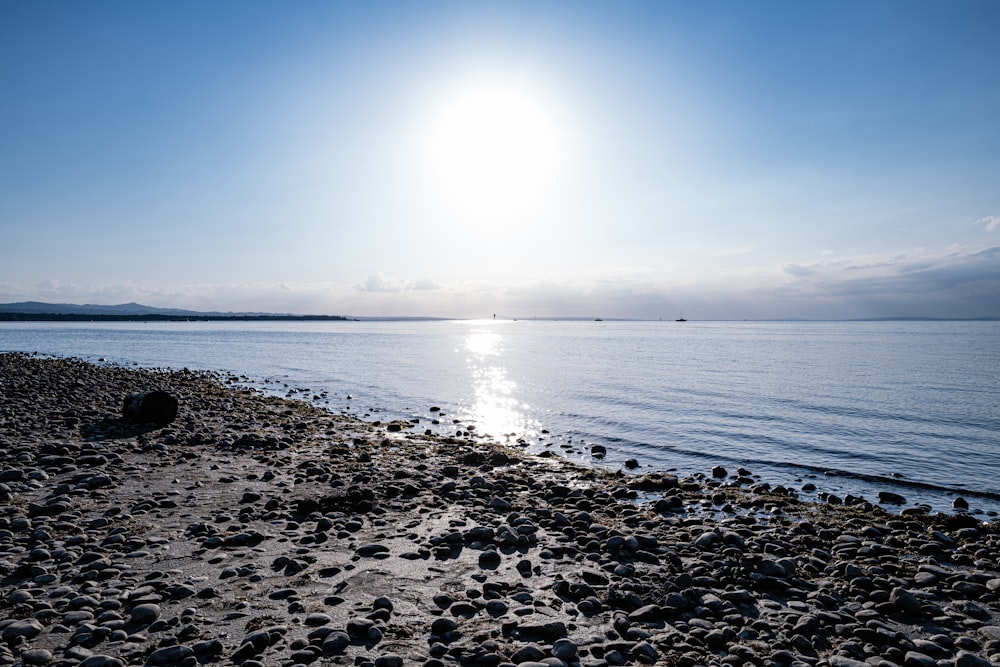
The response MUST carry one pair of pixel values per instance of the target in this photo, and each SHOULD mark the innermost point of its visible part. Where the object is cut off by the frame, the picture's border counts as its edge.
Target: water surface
(854, 407)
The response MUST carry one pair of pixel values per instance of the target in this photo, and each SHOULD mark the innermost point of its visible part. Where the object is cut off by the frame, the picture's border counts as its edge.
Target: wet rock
(890, 498)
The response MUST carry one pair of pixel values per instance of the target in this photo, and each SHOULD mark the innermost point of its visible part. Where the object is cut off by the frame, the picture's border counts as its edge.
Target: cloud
(798, 270)
(992, 222)
(425, 285)
(379, 282)
(958, 283)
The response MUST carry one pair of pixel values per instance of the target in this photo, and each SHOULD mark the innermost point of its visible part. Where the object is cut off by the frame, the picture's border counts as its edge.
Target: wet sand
(255, 530)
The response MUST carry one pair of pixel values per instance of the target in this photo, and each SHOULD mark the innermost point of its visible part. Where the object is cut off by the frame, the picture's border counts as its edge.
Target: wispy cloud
(991, 222)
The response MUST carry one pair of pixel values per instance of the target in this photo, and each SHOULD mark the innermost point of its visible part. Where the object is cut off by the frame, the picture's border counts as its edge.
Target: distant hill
(39, 312)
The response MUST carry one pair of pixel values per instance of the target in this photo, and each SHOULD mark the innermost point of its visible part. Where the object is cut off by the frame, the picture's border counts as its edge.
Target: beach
(257, 530)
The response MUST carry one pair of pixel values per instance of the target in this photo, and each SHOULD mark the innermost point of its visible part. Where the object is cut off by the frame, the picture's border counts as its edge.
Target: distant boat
(680, 319)
(598, 319)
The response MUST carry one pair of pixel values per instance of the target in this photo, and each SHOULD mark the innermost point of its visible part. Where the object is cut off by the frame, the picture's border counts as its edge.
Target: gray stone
(102, 661)
(336, 642)
(442, 625)
(843, 661)
(966, 659)
(527, 653)
(645, 653)
(36, 656)
(917, 659)
(489, 560)
(371, 550)
(170, 655)
(906, 601)
(316, 619)
(565, 650)
(27, 627)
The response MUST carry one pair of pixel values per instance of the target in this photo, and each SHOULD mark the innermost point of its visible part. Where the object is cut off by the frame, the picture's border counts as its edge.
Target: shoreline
(793, 447)
(259, 530)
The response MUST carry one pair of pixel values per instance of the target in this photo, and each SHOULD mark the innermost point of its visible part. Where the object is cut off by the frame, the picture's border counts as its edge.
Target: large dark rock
(151, 407)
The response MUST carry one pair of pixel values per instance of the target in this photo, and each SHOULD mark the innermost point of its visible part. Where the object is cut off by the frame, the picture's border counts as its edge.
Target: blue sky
(721, 160)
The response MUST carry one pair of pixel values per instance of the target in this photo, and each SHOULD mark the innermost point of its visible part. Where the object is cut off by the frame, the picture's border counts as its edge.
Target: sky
(712, 160)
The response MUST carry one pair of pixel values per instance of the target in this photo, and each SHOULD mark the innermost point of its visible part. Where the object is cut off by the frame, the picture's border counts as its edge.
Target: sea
(842, 408)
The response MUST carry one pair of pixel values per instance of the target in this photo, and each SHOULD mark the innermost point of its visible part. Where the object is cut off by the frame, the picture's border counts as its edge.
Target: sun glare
(492, 149)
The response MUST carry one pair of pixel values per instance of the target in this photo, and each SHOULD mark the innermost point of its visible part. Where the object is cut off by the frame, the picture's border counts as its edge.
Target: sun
(493, 149)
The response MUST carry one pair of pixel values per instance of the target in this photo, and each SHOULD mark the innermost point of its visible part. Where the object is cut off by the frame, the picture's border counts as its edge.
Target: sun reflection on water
(496, 408)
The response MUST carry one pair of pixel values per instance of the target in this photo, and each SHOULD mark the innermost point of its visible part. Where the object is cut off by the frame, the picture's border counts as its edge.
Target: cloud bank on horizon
(723, 161)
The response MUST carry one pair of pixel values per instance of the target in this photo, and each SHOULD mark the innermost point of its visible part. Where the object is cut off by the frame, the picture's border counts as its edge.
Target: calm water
(911, 407)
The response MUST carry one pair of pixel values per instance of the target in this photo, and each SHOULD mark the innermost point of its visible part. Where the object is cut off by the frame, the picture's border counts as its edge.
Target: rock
(360, 628)
(336, 642)
(645, 653)
(208, 648)
(843, 661)
(145, 614)
(371, 550)
(169, 656)
(545, 631)
(565, 650)
(27, 628)
(389, 660)
(960, 503)
(905, 601)
(36, 656)
(152, 407)
(496, 608)
(967, 659)
(527, 653)
(890, 498)
(317, 619)
(719, 472)
(917, 659)
(489, 560)
(443, 625)
(102, 661)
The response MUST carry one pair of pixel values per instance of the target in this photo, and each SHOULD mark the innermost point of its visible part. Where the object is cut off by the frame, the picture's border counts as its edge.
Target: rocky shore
(253, 530)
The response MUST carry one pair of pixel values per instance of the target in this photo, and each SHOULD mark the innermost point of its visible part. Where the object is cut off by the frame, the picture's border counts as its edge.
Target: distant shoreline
(106, 317)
